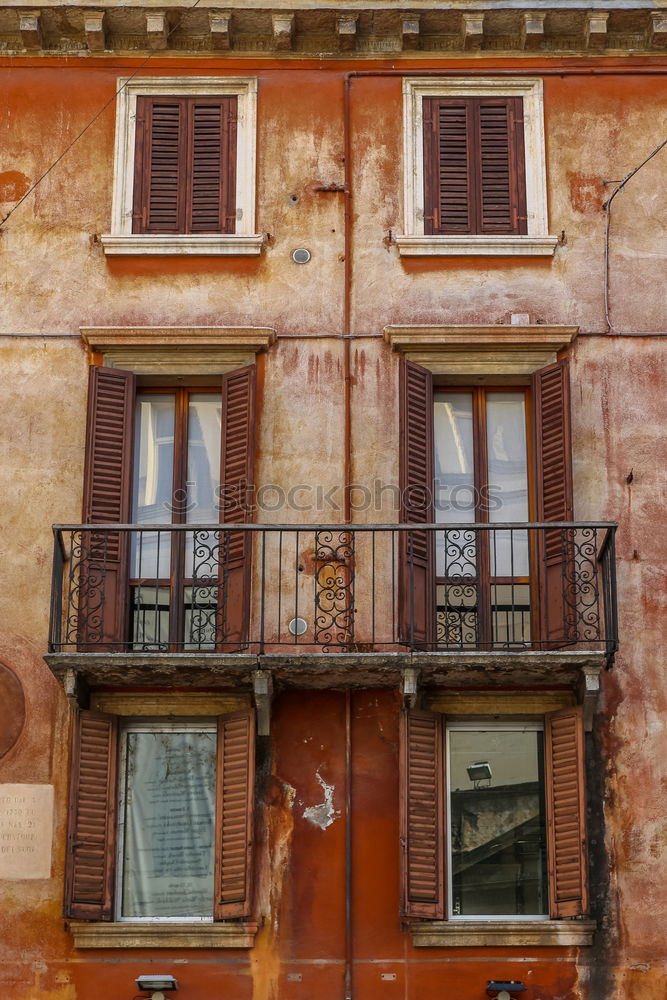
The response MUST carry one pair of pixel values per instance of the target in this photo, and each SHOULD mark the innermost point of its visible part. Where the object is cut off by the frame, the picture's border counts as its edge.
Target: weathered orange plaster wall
(597, 129)
(622, 385)
(40, 455)
(55, 279)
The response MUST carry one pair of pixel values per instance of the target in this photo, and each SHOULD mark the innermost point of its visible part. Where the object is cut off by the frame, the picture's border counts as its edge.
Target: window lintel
(178, 350)
(494, 349)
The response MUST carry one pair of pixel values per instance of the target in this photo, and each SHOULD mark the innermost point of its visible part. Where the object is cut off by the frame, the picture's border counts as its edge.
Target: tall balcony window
(176, 480)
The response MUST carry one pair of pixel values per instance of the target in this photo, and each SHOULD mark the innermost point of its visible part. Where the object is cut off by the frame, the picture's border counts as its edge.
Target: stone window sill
(482, 246)
(166, 935)
(208, 245)
(502, 933)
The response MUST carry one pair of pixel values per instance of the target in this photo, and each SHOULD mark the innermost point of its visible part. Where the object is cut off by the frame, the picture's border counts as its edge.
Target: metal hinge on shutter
(513, 120)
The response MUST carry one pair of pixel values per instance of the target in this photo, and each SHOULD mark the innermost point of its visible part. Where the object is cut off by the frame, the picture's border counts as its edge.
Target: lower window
(161, 818)
(493, 817)
(496, 836)
(166, 821)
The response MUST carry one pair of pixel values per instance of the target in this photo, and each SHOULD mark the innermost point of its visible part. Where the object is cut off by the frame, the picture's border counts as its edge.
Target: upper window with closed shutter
(474, 180)
(474, 168)
(184, 179)
(185, 165)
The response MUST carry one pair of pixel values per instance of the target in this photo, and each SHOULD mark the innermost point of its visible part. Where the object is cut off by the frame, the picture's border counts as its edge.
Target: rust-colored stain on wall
(587, 193)
(13, 185)
(12, 712)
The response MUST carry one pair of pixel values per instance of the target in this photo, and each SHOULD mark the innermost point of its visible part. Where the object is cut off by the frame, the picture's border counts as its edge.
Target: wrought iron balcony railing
(355, 588)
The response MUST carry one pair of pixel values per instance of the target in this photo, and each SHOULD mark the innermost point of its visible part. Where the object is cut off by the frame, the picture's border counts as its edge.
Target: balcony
(330, 604)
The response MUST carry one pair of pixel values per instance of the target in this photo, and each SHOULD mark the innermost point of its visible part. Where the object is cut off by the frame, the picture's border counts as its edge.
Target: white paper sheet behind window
(169, 814)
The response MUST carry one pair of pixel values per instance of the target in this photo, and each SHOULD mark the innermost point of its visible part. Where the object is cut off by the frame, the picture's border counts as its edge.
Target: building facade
(333, 365)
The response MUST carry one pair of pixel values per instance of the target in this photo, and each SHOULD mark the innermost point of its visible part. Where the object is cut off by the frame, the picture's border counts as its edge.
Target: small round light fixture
(298, 626)
(301, 255)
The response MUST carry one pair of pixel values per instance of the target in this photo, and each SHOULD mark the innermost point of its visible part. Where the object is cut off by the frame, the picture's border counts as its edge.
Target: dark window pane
(497, 827)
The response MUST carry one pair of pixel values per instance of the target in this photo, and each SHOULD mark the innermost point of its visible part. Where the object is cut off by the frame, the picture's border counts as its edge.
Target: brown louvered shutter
(422, 798)
(236, 479)
(474, 166)
(103, 592)
(212, 167)
(448, 167)
(91, 842)
(416, 583)
(160, 165)
(235, 782)
(185, 165)
(553, 468)
(502, 198)
(566, 812)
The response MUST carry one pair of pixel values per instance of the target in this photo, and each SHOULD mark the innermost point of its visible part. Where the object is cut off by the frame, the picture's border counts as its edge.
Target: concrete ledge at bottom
(167, 935)
(502, 933)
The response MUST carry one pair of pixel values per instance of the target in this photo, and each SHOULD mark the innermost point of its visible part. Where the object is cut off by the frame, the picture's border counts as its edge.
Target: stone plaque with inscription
(26, 828)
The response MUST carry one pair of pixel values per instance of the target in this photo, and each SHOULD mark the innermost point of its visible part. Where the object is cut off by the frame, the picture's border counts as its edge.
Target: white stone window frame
(245, 241)
(414, 242)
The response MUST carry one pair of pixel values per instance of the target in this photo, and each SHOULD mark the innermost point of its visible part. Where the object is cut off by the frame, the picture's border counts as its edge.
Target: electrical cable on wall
(92, 121)
(607, 208)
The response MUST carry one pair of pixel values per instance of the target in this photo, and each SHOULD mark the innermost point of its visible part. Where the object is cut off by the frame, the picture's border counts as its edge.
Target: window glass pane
(169, 811)
(203, 478)
(497, 827)
(456, 615)
(454, 459)
(454, 499)
(201, 616)
(510, 607)
(153, 483)
(150, 618)
(507, 473)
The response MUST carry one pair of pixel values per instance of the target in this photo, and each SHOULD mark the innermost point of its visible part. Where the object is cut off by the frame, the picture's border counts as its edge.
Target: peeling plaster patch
(324, 814)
